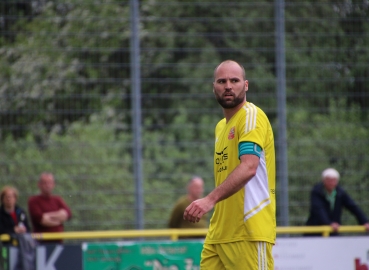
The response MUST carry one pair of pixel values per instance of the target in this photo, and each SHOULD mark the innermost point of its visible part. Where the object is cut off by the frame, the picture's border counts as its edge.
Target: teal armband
(248, 148)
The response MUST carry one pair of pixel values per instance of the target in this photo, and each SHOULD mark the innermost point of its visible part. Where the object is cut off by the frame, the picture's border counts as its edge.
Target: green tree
(65, 95)
(59, 68)
(316, 142)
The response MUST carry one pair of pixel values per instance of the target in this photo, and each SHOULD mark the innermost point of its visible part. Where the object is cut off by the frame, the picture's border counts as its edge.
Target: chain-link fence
(65, 103)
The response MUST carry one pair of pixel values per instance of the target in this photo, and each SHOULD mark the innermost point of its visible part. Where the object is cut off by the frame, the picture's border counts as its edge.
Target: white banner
(322, 253)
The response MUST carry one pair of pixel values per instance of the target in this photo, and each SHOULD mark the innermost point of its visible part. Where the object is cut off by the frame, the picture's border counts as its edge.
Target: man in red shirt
(48, 212)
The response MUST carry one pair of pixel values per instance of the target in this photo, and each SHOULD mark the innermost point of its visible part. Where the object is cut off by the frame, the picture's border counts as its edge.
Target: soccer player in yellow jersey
(243, 226)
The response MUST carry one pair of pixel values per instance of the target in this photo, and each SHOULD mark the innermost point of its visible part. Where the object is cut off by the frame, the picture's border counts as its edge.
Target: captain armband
(249, 148)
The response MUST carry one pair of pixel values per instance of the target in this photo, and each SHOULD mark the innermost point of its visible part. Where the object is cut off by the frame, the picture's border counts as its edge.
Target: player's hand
(366, 225)
(197, 209)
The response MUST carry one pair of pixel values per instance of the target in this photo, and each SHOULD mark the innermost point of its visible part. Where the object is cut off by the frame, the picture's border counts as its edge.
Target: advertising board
(165, 255)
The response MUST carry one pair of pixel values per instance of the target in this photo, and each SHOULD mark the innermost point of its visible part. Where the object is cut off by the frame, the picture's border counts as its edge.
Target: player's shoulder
(220, 124)
(251, 107)
(251, 112)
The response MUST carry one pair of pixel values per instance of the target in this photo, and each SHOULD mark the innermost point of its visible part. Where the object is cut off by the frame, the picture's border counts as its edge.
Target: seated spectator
(328, 199)
(13, 219)
(48, 212)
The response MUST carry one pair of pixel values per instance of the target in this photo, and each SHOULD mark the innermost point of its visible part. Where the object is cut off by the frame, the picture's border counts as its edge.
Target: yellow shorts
(248, 255)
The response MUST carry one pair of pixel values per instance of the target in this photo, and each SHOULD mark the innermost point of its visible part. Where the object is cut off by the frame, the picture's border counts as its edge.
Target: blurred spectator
(13, 219)
(48, 212)
(328, 199)
(195, 190)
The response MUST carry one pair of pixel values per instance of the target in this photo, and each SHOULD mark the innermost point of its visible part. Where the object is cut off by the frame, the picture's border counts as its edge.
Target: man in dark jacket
(327, 200)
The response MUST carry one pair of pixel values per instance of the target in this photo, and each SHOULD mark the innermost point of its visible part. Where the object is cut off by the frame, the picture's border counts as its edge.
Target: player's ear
(246, 85)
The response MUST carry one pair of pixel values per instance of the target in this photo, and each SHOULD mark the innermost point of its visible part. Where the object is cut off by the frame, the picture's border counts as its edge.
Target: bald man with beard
(242, 228)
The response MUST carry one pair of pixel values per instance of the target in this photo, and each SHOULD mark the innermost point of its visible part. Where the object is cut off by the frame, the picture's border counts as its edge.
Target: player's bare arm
(234, 182)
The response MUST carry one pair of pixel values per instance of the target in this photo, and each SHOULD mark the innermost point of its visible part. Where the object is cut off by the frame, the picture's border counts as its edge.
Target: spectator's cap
(330, 172)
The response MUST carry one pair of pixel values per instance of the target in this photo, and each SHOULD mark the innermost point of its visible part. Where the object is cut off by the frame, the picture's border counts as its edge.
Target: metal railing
(175, 234)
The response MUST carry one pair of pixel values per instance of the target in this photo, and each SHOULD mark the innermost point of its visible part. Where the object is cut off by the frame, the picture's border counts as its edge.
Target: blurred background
(67, 99)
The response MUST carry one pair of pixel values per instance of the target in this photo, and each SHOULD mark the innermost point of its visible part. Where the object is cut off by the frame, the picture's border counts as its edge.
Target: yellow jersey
(250, 213)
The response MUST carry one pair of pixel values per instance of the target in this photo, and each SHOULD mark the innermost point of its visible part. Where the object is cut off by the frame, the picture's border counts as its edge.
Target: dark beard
(231, 104)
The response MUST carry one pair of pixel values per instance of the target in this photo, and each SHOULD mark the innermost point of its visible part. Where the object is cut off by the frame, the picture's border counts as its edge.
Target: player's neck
(228, 113)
